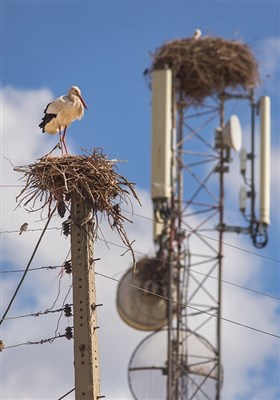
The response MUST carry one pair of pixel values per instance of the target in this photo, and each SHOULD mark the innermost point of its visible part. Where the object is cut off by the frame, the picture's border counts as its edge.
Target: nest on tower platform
(51, 181)
(207, 66)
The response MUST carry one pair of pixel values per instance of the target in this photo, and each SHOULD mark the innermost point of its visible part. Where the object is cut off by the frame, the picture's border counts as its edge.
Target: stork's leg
(60, 141)
(63, 139)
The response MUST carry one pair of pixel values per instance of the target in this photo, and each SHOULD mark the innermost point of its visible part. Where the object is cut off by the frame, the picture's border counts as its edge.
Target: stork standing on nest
(197, 34)
(61, 112)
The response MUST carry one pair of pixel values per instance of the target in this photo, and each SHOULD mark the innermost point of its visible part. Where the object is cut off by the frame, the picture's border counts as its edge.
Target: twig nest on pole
(207, 66)
(51, 181)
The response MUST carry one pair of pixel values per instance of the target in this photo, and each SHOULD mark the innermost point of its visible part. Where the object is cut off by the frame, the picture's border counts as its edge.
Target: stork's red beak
(82, 100)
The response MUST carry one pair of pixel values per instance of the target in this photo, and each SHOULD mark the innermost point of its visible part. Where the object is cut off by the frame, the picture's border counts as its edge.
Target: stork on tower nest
(206, 66)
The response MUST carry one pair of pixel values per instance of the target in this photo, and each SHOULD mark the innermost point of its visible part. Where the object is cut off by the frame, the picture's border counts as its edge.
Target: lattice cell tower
(193, 84)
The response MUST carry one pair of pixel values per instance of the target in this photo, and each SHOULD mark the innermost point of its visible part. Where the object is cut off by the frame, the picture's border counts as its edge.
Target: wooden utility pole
(86, 357)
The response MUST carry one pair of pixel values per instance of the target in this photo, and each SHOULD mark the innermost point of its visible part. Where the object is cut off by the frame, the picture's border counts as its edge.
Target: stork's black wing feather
(46, 118)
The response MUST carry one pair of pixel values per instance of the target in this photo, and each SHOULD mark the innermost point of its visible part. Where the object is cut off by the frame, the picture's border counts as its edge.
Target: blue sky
(104, 47)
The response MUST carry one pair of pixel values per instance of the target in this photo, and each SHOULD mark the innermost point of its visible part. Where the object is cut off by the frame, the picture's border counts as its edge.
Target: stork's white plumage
(61, 112)
(197, 34)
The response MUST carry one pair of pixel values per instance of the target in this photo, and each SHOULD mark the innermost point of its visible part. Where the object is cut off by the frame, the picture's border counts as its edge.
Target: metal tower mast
(198, 307)
(196, 236)
(191, 153)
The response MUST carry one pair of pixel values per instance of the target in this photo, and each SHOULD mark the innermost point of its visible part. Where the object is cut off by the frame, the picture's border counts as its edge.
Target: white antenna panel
(242, 198)
(158, 225)
(161, 134)
(265, 160)
(243, 161)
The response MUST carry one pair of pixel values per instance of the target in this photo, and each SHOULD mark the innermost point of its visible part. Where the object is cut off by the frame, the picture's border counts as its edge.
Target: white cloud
(28, 370)
(22, 140)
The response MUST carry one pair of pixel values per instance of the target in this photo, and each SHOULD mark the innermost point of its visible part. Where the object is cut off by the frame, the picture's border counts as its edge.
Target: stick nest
(52, 180)
(207, 66)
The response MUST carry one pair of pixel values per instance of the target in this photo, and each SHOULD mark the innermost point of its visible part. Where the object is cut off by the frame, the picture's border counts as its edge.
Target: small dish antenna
(141, 308)
(232, 133)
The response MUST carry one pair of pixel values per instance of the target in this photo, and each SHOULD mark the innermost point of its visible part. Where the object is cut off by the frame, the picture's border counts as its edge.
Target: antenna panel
(243, 161)
(242, 198)
(161, 134)
(265, 160)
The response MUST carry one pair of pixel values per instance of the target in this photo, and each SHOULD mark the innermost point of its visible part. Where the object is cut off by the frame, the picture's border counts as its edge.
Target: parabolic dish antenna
(138, 308)
(147, 370)
(232, 133)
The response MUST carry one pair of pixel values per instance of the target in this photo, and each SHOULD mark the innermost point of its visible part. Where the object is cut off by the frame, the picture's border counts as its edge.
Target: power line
(59, 282)
(37, 314)
(181, 229)
(163, 297)
(215, 240)
(188, 306)
(155, 294)
(66, 394)
(239, 286)
(157, 259)
(42, 341)
(59, 318)
(30, 269)
(196, 272)
(33, 230)
(27, 267)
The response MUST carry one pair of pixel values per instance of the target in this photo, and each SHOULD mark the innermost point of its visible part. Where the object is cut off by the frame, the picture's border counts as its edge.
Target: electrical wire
(58, 321)
(37, 314)
(157, 295)
(66, 394)
(196, 272)
(181, 229)
(188, 306)
(225, 319)
(156, 259)
(163, 297)
(29, 343)
(215, 240)
(27, 267)
(30, 269)
(33, 230)
(59, 282)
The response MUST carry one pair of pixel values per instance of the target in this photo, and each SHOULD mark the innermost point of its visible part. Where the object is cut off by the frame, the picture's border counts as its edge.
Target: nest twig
(207, 66)
(52, 180)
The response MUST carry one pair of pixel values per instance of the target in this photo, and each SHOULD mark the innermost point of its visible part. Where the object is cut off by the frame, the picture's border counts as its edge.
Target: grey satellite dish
(232, 133)
(139, 309)
(147, 370)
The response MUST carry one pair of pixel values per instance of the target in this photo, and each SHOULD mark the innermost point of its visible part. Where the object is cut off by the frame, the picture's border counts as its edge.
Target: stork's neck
(73, 97)
(75, 100)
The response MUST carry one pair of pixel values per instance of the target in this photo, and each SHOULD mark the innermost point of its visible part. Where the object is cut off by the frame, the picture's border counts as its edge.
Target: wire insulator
(66, 228)
(68, 333)
(67, 311)
(68, 267)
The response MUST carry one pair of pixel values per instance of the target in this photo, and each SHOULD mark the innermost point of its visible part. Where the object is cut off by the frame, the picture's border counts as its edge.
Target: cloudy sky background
(104, 48)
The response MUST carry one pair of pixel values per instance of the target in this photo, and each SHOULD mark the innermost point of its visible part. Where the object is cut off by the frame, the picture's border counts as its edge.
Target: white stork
(197, 34)
(61, 112)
